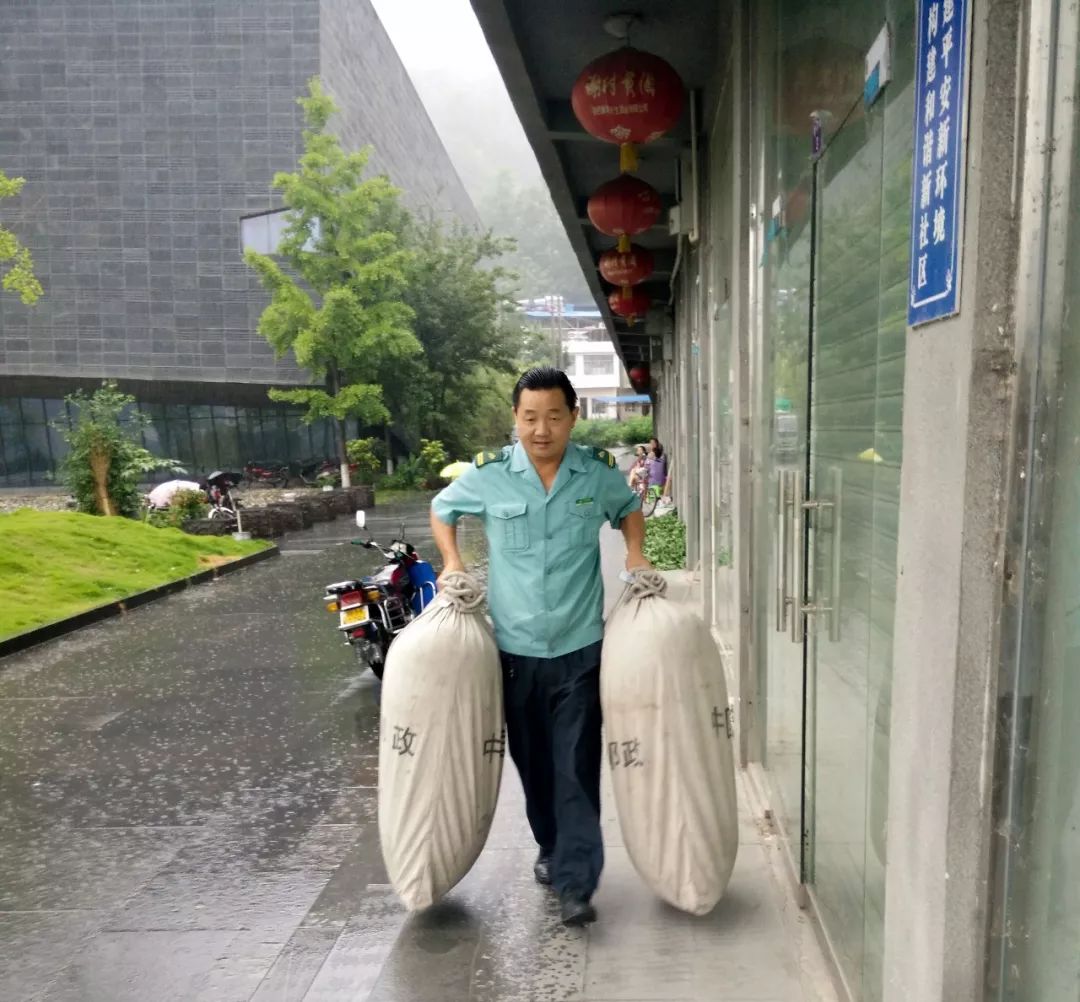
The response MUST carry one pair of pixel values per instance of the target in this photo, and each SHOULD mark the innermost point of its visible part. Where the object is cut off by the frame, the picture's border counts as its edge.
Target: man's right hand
(445, 537)
(453, 567)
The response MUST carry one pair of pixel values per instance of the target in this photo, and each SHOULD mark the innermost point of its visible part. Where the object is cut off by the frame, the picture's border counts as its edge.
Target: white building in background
(598, 375)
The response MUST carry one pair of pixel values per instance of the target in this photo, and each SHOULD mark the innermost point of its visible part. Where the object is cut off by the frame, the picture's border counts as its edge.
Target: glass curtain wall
(202, 438)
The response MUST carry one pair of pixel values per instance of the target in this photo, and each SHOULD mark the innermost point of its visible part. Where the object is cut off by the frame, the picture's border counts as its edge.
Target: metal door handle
(812, 606)
(781, 551)
(798, 598)
(837, 538)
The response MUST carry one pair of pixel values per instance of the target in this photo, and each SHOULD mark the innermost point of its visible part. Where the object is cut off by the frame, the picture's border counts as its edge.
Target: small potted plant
(327, 481)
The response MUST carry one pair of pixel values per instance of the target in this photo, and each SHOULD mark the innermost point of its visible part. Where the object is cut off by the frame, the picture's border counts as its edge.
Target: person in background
(639, 472)
(658, 464)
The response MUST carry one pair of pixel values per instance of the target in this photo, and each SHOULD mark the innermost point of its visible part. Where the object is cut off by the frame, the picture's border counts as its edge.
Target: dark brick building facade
(145, 130)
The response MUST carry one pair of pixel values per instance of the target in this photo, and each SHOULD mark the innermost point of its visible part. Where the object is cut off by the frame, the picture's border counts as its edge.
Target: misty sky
(447, 57)
(446, 54)
(437, 35)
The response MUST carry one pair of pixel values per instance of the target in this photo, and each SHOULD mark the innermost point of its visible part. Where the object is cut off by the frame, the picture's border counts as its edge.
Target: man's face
(544, 423)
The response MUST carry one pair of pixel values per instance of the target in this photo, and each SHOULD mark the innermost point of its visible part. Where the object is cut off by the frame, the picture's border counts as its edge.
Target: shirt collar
(519, 459)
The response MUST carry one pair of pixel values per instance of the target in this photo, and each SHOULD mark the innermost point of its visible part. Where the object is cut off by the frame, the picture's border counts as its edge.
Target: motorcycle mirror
(361, 519)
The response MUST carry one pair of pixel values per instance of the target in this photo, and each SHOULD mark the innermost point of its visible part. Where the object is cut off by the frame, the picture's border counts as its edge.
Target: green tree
(19, 275)
(336, 297)
(468, 331)
(105, 461)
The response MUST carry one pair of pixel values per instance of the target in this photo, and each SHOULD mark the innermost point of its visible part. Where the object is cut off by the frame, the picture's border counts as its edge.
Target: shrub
(407, 476)
(665, 542)
(418, 472)
(363, 454)
(105, 463)
(637, 429)
(432, 459)
(184, 505)
(598, 433)
(601, 433)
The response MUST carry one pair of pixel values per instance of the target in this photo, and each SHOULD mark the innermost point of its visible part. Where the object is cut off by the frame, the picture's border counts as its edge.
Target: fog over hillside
(446, 55)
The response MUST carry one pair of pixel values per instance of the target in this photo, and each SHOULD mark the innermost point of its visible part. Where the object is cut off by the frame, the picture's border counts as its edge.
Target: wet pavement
(188, 812)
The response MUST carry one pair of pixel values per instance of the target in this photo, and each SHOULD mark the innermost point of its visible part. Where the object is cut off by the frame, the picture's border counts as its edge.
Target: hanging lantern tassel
(624, 243)
(628, 158)
(627, 291)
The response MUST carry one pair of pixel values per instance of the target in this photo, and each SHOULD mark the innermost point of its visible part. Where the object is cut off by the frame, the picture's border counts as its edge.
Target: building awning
(640, 398)
(567, 314)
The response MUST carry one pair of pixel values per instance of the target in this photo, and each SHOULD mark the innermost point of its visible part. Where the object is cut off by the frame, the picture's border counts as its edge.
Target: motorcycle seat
(341, 587)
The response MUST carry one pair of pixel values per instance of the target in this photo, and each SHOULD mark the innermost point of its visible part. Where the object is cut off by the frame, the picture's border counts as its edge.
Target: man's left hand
(637, 562)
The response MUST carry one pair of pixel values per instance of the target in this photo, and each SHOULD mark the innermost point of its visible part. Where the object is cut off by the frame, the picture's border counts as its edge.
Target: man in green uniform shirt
(542, 502)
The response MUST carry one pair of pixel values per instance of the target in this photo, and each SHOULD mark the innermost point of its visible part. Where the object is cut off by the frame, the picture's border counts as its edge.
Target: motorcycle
(267, 474)
(316, 472)
(373, 610)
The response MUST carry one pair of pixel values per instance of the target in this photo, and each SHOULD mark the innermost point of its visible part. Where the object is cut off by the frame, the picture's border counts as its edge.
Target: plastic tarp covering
(441, 744)
(668, 734)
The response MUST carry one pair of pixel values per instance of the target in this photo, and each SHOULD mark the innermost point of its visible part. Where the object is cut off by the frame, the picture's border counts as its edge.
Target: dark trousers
(553, 726)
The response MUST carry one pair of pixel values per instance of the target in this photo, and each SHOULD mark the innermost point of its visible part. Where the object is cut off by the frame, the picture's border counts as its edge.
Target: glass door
(850, 523)
(787, 259)
(839, 521)
(830, 250)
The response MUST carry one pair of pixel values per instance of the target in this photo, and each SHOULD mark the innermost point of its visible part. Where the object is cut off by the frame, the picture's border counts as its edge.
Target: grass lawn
(54, 564)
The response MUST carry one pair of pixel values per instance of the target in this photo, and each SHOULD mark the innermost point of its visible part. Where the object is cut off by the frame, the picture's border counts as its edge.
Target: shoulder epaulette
(483, 458)
(603, 456)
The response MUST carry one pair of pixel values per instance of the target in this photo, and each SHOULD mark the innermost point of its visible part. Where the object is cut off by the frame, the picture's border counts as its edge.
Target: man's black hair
(546, 377)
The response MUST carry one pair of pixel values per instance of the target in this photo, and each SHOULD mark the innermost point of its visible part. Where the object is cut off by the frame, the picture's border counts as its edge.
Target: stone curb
(31, 638)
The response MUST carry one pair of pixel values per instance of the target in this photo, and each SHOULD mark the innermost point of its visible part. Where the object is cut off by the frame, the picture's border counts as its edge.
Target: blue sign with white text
(937, 175)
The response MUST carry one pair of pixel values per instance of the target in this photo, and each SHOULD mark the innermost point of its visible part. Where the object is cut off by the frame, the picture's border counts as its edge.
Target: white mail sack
(441, 745)
(668, 739)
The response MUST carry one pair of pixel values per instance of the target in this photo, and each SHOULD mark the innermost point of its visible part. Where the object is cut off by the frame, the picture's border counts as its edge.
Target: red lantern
(631, 307)
(628, 97)
(626, 270)
(639, 376)
(625, 207)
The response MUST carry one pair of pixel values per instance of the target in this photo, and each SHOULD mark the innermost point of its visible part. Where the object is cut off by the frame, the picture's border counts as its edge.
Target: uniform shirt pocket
(511, 525)
(584, 521)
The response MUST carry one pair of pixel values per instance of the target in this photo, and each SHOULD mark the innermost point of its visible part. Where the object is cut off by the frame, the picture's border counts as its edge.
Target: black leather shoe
(576, 910)
(542, 869)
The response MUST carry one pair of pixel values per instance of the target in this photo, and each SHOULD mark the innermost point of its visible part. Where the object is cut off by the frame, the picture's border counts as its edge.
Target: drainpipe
(695, 232)
(675, 269)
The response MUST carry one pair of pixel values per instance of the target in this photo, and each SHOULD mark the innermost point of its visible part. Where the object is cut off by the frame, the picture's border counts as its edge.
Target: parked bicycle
(650, 495)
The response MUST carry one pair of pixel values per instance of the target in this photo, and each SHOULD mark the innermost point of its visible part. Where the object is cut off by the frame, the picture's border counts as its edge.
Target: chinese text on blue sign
(937, 177)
